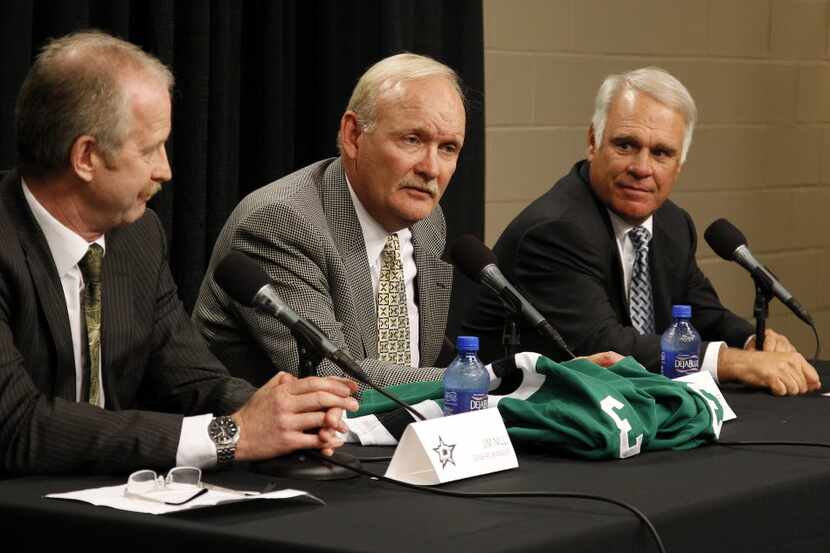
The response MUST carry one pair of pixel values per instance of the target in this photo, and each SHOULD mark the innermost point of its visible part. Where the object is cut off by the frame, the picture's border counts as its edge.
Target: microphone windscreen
(470, 256)
(724, 238)
(240, 277)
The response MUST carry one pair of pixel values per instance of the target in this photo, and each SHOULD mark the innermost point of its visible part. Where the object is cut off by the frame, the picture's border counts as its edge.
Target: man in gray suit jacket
(321, 233)
(100, 368)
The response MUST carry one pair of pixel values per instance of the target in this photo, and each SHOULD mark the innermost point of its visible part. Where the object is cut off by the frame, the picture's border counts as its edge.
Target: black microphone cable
(572, 495)
(818, 344)
(535, 494)
(349, 366)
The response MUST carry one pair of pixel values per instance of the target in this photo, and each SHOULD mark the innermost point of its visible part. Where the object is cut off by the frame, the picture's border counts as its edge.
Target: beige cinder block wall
(760, 73)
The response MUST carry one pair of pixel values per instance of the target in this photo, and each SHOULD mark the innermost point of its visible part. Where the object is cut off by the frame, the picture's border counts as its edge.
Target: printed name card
(452, 448)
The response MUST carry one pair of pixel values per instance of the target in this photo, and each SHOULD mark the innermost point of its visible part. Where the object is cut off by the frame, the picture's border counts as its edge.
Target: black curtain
(260, 87)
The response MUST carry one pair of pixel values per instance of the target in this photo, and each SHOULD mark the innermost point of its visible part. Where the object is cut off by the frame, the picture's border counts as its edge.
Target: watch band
(225, 455)
(225, 434)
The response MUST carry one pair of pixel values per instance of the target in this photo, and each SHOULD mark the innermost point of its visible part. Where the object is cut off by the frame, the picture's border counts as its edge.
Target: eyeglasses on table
(179, 486)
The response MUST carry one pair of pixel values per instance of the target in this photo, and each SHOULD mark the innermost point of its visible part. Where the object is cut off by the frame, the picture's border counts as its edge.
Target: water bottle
(466, 381)
(680, 345)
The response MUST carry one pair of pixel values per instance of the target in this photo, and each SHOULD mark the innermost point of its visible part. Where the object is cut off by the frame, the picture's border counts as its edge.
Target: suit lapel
(433, 288)
(47, 283)
(617, 291)
(116, 316)
(662, 267)
(616, 279)
(348, 236)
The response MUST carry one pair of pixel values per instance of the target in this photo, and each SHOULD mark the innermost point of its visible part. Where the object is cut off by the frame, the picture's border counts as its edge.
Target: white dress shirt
(374, 236)
(67, 249)
(709, 362)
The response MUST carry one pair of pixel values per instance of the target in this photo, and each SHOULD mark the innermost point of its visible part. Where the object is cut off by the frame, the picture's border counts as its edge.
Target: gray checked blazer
(304, 232)
(155, 366)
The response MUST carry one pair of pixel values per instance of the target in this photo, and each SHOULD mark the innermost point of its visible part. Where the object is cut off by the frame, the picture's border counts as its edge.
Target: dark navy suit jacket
(562, 254)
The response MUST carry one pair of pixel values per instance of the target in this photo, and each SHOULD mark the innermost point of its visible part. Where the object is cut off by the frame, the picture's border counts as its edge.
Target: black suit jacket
(155, 366)
(561, 252)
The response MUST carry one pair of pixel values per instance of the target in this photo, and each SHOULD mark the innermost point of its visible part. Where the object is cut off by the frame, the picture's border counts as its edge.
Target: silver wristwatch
(225, 434)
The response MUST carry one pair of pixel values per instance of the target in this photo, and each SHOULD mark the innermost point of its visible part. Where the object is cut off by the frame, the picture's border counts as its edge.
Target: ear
(592, 144)
(350, 132)
(84, 157)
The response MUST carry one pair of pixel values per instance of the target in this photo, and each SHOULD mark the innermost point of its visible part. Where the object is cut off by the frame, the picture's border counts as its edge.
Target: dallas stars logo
(444, 452)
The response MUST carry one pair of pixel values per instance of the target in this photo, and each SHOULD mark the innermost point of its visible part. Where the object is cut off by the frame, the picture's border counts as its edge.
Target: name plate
(451, 448)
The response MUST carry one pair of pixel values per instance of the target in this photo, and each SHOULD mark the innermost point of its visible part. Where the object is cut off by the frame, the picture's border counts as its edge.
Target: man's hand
(783, 373)
(604, 359)
(772, 342)
(274, 420)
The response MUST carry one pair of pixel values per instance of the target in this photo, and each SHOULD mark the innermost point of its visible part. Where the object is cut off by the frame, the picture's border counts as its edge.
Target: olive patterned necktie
(393, 319)
(640, 303)
(90, 266)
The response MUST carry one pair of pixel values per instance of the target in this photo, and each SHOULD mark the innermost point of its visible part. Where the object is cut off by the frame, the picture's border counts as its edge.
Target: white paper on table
(113, 496)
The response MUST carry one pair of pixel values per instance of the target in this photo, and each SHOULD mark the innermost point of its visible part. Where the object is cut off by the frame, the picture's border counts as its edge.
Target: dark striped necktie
(640, 303)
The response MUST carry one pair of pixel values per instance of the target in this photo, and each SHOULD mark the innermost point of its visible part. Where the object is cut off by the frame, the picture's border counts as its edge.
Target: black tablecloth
(715, 498)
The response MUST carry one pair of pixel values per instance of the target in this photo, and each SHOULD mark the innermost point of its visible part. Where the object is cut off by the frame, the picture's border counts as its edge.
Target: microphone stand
(761, 309)
(309, 464)
(510, 336)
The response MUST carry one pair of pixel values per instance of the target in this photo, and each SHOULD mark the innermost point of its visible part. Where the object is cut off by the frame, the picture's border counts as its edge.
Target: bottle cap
(466, 343)
(681, 311)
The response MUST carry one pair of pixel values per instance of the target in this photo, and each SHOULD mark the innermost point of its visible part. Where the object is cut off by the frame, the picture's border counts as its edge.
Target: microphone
(478, 263)
(730, 243)
(246, 283)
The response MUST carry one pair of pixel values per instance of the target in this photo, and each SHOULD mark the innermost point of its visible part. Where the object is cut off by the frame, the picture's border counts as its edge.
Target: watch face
(222, 431)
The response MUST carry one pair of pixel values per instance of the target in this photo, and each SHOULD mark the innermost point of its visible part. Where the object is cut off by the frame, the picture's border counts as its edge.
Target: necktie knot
(640, 237)
(392, 247)
(90, 264)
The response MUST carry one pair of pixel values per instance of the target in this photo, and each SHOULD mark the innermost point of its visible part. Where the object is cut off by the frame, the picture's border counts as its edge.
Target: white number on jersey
(609, 404)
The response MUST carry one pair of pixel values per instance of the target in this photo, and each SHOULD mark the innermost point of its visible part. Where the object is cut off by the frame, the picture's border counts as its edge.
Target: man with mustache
(606, 236)
(101, 370)
(353, 243)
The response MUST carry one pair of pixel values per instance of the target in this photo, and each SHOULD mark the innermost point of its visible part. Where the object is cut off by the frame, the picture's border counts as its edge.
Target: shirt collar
(622, 227)
(374, 235)
(66, 246)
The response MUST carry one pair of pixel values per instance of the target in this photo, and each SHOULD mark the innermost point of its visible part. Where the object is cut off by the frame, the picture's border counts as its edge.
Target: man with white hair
(604, 254)
(353, 243)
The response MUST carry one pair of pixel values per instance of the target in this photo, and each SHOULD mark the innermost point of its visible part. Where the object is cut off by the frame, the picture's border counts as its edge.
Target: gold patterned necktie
(90, 266)
(393, 319)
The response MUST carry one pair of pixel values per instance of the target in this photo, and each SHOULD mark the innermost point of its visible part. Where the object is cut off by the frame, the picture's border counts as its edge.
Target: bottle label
(675, 364)
(461, 401)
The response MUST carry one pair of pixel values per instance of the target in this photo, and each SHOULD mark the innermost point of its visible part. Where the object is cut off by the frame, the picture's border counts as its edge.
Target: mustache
(430, 187)
(152, 190)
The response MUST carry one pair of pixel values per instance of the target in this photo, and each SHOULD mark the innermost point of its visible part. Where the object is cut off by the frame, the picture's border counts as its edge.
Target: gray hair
(657, 83)
(74, 88)
(384, 78)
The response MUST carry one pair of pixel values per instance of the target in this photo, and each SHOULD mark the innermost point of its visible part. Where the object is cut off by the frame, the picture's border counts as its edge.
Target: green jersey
(577, 407)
